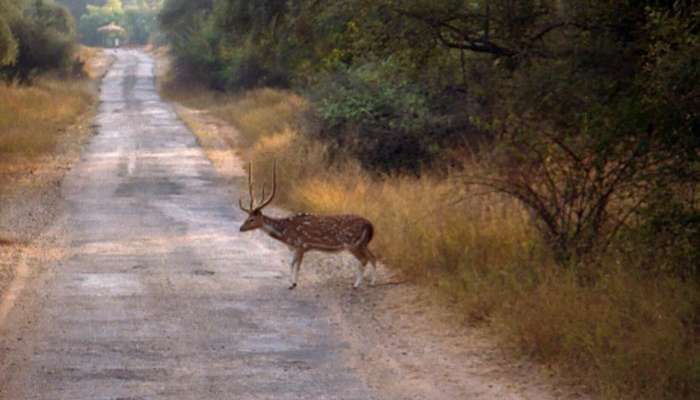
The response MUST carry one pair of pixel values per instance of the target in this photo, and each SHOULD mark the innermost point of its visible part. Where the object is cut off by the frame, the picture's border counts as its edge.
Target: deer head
(255, 216)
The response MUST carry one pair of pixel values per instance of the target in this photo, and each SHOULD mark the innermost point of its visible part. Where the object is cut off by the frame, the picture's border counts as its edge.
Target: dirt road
(156, 294)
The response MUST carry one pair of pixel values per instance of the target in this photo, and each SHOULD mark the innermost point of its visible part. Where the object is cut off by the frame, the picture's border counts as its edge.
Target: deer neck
(274, 227)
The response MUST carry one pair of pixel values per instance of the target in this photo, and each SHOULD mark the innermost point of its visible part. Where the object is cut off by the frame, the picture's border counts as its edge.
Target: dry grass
(97, 63)
(32, 118)
(624, 336)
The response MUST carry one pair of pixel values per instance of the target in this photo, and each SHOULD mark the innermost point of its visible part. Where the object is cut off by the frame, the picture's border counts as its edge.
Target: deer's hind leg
(373, 261)
(359, 269)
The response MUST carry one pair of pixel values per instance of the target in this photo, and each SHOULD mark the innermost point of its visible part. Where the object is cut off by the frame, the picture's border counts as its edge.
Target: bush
(669, 234)
(8, 44)
(242, 67)
(379, 121)
(194, 53)
(46, 38)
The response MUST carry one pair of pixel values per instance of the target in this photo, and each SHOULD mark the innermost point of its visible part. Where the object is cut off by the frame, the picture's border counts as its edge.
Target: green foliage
(45, 34)
(9, 12)
(140, 24)
(225, 59)
(196, 51)
(188, 28)
(380, 121)
(138, 18)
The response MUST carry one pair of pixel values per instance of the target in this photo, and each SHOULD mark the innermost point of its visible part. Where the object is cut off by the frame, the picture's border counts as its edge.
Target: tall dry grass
(623, 336)
(32, 118)
(39, 122)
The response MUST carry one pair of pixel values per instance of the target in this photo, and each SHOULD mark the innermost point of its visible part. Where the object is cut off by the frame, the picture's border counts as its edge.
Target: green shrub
(46, 39)
(379, 120)
(669, 231)
(140, 24)
(243, 67)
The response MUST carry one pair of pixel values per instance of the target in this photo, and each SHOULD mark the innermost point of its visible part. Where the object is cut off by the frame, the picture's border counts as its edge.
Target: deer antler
(266, 200)
(269, 199)
(250, 191)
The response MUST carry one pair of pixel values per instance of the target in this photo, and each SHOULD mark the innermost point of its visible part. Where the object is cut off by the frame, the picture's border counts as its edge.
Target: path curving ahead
(159, 295)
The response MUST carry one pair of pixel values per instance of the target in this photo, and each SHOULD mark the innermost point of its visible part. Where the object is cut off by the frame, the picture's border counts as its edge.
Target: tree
(45, 33)
(612, 150)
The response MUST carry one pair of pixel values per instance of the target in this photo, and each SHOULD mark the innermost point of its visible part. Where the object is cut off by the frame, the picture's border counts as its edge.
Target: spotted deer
(306, 232)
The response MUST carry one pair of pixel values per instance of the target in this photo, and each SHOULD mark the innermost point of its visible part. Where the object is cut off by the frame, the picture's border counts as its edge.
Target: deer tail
(369, 232)
(367, 235)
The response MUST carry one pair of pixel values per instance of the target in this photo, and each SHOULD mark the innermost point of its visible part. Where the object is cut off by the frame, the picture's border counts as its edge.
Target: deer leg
(291, 272)
(294, 268)
(373, 261)
(358, 277)
(359, 269)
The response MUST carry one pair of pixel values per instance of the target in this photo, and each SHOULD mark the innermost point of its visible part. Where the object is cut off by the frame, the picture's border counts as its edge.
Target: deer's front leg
(294, 268)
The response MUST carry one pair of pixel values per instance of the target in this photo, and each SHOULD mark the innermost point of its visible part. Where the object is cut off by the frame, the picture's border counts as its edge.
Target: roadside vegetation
(32, 118)
(534, 162)
(46, 76)
(47, 88)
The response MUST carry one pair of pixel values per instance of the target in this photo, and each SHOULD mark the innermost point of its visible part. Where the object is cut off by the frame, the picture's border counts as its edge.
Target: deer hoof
(292, 286)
